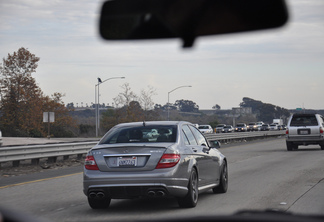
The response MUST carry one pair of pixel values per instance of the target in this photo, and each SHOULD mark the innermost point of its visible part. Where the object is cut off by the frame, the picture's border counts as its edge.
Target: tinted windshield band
(141, 134)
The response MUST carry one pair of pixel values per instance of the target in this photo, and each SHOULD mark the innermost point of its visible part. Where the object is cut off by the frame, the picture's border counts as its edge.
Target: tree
(22, 101)
(186, 106)
(130, 107)
(216, 107)
(146, 102)
(64, 124)
(265, 111)
(70, 105)
(19, 92)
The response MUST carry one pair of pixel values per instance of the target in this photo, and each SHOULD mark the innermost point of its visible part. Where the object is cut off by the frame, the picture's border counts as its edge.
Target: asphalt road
(262, 175)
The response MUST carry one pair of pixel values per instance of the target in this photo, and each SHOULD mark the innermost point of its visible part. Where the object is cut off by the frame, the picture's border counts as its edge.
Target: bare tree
(125, 97)
(145, 98)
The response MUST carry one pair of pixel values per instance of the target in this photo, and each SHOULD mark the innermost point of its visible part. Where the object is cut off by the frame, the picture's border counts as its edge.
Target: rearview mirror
(156, 19)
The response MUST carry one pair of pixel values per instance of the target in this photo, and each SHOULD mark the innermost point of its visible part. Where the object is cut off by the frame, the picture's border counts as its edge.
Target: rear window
(203, 127)
(304, 120)
(142, 134)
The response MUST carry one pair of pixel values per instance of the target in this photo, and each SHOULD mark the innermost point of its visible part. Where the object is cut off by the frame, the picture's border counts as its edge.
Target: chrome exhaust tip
(100, 195)
(92, 195)
(160, 193)
(151, 193)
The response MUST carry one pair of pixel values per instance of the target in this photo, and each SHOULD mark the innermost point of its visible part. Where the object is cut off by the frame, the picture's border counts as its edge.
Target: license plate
(127, 161)
(303, 132)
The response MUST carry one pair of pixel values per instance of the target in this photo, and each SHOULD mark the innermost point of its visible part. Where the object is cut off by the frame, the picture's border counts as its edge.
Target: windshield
(304, 120)
(143, 134)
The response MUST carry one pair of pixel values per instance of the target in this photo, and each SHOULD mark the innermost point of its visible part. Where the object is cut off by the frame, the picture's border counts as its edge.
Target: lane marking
(35, 181)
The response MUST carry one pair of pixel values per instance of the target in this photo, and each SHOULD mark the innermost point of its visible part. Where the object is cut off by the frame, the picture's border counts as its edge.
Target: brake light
(90, 163)
(287, 132)
(321, 130)
(168, 160)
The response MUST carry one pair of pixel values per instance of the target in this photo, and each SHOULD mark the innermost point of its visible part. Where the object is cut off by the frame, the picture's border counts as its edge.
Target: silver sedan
(178, 163)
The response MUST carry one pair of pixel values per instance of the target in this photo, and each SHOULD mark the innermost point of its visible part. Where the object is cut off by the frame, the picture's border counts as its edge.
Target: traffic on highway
(262, 176)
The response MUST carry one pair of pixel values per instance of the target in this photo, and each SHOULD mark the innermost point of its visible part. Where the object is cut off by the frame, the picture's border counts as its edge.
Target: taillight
(287, 132)
(321, 130)
(90, 163)
(168, 160)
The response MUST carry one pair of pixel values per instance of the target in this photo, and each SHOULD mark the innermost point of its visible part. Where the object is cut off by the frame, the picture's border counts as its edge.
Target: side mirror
(215, 144)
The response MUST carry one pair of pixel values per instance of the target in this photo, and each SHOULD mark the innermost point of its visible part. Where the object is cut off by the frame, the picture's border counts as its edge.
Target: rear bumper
(132, 185)
(305, 140)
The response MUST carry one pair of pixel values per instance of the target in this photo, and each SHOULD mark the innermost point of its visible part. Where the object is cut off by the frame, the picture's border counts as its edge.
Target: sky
(283, 67)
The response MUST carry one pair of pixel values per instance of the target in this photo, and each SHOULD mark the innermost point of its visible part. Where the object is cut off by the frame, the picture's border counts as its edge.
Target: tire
(322, 146)
(289, 146)
(223, 184)
(95, 203)
(191, 199)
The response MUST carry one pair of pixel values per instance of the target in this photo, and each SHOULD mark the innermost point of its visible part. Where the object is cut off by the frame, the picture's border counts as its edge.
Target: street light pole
(169, 98)
(97, 95)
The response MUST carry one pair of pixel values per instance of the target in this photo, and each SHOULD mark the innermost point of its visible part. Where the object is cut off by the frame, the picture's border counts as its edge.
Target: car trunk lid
(128, 158)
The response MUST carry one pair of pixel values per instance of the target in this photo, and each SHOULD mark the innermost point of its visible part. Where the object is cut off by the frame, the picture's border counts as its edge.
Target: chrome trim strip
(128, 154)
(207, 186)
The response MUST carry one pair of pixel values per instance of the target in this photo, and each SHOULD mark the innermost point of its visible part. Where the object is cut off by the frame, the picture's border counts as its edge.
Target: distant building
(242, 111)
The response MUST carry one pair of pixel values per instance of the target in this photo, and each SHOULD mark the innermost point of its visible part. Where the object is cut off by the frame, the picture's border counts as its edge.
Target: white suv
(305, 129)
(205, 129)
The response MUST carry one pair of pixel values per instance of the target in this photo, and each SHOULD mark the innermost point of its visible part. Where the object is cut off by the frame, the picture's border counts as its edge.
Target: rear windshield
(304, 120)
(203, 127)
(142, 134)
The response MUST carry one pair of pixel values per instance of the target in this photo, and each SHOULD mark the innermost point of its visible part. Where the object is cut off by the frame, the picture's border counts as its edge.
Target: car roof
(151, 123)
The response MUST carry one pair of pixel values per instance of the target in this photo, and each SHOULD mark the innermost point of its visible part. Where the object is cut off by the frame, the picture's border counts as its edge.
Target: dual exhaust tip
(98, 195)
(159, 193)
(150, 193)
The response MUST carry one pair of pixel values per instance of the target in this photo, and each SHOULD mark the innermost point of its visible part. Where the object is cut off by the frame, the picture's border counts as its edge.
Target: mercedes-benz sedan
(179, 162)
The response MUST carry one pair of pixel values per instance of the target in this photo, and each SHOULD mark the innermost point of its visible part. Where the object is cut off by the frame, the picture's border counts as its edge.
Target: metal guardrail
(51, 151)
(15, 154)
(243, 136)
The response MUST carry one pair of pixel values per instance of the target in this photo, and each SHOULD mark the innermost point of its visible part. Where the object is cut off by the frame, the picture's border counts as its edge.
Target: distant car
(240, 127)
(219, 128)
(178, 163)
(252, 126)
(274, 126)
(228, 129)
(205, 129)
(259, 125)
(265, 127)
(305, 129)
